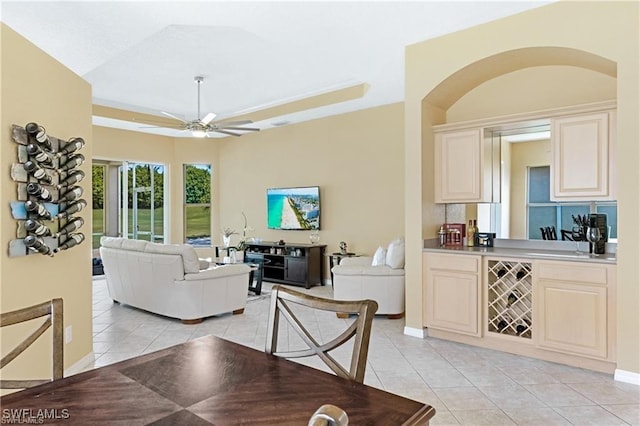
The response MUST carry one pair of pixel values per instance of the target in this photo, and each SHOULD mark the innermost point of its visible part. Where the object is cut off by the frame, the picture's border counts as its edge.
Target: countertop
(526, 250)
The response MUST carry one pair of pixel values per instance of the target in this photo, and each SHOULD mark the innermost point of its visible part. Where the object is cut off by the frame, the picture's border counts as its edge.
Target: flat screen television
(293, 208)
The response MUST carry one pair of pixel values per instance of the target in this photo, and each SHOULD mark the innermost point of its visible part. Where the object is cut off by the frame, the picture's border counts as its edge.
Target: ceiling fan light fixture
(198, 133)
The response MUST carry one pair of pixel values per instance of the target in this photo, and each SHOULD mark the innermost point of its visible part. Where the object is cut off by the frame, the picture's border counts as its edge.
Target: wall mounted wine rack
(509, 294)
(47, 177)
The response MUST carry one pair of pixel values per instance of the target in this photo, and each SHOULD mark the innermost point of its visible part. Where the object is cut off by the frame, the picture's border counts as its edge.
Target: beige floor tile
(558, 395)
(592, 415)
(604, 393)
(483, 417)
(464, 398)
(443, 418)
(535, 416)
(630, 413)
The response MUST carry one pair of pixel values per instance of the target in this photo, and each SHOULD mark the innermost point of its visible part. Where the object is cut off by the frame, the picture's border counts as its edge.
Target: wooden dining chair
(53, 311)
(282, 301)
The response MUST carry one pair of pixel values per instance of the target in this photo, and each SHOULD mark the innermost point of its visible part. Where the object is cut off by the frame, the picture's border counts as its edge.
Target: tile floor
(466, 385)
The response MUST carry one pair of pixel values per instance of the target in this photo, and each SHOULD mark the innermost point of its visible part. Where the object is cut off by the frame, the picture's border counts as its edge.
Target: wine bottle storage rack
(47, 176)
(509, 295)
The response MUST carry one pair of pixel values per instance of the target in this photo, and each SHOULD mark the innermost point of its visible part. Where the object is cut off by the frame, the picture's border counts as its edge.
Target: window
(542, 212)
(98, 172)
(197, 204)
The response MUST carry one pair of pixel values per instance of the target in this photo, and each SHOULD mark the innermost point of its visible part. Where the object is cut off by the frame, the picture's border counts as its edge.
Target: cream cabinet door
(576, 307)
(572, 318)
(459, 167)
(583, 157)
(452, 295)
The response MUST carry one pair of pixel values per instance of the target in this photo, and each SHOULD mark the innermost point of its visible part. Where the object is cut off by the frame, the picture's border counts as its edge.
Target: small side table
(335, 258)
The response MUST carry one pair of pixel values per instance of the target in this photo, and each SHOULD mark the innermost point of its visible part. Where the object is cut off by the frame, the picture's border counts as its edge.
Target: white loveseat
(170, 280)
(355, 279)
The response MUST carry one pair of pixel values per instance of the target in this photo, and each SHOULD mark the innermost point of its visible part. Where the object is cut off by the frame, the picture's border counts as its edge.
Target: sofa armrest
(218, 272)
(356, 261)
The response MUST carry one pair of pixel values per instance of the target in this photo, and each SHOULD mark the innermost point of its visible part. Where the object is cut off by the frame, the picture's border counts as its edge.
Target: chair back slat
(53, 311)
(282, 300)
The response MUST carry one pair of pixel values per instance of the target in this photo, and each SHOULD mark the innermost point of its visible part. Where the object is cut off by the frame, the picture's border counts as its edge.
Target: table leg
(331, 269)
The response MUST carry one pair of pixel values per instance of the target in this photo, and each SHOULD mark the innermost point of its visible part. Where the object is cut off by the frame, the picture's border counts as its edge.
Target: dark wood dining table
(207, 381)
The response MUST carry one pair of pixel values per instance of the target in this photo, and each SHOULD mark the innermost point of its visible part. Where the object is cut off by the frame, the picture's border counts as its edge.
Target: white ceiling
(143, 55)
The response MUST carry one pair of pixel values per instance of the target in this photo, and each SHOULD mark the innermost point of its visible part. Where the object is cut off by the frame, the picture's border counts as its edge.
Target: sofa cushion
(395, 254)
(366, 270)
(380, 256)
(134, 245)
(219, 272)
(188, 253)
(111, 242)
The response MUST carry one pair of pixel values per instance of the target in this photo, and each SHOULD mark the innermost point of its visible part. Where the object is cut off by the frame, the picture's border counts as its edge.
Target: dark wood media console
(297, 264)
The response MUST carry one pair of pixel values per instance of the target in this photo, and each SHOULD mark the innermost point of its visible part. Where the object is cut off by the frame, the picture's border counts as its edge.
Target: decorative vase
(314, 237)
(226, 240)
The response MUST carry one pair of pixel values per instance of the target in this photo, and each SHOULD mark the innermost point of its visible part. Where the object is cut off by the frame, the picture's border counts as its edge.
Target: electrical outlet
(68, 334)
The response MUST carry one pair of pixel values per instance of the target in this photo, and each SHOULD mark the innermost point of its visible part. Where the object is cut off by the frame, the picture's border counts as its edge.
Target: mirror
(525, 206)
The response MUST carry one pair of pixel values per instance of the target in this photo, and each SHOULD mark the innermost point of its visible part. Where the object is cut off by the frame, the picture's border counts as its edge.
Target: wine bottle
(511, 299)
(523, 326)
(470, 234)
(37, 208)
(475, 231)
(72, 145)
(72, 241)
(40, 155)
(71, 179)
(37, 228)
(72, 208)
(521, 274)
(72, 194)
(72, 161)
(39, 191)
(71, 226)
(36, 171)
(38, 134)
(502, 325)
(36, 244)
(501, 272)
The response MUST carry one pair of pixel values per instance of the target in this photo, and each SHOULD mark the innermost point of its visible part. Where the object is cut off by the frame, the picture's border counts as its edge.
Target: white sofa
(355, 279)
(170, 280)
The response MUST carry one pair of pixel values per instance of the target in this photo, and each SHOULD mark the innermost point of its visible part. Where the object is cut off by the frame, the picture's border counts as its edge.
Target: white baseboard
(415, 332)
(80, 366)
(627, 377)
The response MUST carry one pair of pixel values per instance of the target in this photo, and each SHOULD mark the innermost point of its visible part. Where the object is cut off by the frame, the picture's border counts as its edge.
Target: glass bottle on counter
(471, 233)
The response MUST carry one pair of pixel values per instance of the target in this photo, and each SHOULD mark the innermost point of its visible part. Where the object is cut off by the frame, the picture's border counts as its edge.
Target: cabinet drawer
(453, 262)
(572, 271)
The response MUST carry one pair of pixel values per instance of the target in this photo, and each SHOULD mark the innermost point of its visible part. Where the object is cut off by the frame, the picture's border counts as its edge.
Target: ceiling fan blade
(161, 127)
(233, 123)
(247, 129)
(207, 118)
(227, 133)
(174, 117)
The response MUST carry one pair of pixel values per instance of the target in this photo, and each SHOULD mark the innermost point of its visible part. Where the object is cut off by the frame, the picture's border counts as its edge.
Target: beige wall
(440, 71)
(37, 88)
(533, 89)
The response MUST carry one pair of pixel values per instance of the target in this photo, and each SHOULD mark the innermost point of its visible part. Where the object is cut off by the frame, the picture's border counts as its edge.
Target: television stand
(295, 264)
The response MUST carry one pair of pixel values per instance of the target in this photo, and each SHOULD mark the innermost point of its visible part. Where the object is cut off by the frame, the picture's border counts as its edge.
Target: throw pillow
(380, 257)
(395, 254)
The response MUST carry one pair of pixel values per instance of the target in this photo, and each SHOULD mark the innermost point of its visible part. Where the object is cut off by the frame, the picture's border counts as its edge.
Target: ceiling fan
(201, 127)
